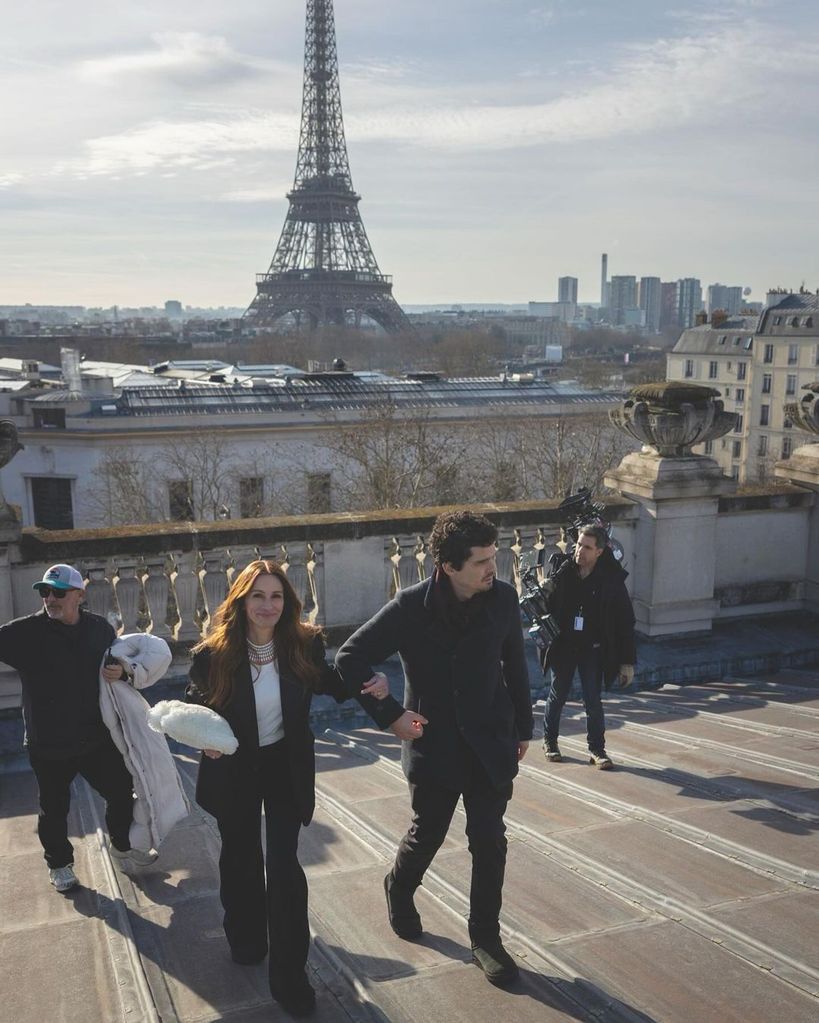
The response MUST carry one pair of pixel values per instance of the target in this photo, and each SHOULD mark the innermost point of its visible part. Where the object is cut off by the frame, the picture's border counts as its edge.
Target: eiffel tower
(323, 271)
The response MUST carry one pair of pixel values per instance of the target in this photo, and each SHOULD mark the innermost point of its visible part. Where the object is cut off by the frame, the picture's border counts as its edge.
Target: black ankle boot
(404, 918)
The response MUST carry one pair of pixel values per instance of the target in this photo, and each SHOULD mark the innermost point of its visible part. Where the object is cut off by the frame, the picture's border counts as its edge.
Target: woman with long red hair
(259, 668)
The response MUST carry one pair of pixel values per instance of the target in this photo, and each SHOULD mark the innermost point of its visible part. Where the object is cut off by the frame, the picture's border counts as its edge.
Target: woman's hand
(377, 686)
(214, 754)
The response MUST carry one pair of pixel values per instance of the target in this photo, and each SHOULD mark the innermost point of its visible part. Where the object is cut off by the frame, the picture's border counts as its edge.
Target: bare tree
(391, 459)
(124, 490)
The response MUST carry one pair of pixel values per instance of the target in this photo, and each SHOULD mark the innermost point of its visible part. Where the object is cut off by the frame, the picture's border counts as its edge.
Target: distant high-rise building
(604, 281)
(567, 289)
(725, 297)
(622, 297)
(173, 309)
(668, 304)
(651, 301)
(689, 301)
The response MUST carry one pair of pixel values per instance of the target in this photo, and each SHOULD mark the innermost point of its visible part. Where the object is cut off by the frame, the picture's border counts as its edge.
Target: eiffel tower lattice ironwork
(324, 271)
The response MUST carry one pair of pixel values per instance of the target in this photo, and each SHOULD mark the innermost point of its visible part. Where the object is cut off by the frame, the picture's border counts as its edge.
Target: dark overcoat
(222, 781)
(473, 684)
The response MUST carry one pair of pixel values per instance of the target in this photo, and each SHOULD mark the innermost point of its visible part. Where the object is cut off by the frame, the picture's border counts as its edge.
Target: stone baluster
(315, 572)
(214, 584)
(405, 565)
(240, 558)
(99, 593)
(157, 587)
(505, 559)
(185, 583)
(128, 590)
(297, 575)
(424, 559)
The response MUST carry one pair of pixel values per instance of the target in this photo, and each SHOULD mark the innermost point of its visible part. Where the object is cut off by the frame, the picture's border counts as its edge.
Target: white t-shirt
(268, 696)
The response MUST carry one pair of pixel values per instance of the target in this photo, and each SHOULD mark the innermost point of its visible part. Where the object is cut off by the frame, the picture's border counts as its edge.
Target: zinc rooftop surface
(681, 886)
(347, 392)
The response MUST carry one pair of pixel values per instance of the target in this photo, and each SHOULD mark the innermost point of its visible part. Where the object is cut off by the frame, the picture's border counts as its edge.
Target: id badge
(578, 623)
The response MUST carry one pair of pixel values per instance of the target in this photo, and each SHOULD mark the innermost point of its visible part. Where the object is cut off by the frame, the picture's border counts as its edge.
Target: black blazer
(221, 782)
(473, 684)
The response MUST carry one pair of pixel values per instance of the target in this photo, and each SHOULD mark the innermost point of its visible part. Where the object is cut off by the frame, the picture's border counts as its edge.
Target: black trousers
(485, 805)
(264, 896)
(105, 771)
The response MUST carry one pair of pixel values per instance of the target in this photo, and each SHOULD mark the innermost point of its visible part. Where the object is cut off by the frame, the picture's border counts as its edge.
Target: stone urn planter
(670, 417)
(805, 412)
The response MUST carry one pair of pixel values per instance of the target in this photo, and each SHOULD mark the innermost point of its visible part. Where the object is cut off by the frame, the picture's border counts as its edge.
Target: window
(738, 427)
(51, 501)
(737, 450)
(318, 493)
(768, 355)
(723, 339)
(766, 383)
(251, 497)
(180, 500)
(709, 447)
(734, 472)
(749, 344)
(787, 423)
(777, 321)
(742, 368)
(793, 355)
(794, 321)
(737, 341)
(50, 418)
(727, 392)
(712, 370)
(764, 415)
(762, 448)
(808, 321)
(790, 384)
(740, 394)
(689, 368)
(787, 446)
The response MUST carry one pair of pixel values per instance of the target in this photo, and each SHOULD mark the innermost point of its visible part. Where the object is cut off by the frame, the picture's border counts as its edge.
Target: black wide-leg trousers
(484, 805)
(264, 894)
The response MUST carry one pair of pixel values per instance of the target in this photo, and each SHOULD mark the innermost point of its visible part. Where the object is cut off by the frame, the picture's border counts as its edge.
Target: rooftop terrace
(681, 886)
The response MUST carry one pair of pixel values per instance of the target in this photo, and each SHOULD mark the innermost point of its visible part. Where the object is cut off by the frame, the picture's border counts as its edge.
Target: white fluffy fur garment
(193, 725)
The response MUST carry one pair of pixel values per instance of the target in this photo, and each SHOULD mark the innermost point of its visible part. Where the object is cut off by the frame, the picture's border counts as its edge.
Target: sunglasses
(51, 591)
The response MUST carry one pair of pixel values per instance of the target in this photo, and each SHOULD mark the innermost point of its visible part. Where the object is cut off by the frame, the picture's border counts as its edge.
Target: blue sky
(497, 144)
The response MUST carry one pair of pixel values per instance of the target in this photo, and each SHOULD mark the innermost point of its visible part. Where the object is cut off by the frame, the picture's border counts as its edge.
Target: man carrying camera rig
(589, 600)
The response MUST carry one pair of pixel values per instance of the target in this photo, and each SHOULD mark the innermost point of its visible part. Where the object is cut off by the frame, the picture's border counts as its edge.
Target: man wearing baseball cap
(57, 652)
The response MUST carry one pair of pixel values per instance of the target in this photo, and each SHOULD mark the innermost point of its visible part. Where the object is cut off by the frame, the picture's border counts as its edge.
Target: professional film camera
(536, 584)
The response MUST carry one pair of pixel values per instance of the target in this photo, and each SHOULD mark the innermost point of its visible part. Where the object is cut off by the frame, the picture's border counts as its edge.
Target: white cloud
(9, 180)
(182, 57)
(668, 84)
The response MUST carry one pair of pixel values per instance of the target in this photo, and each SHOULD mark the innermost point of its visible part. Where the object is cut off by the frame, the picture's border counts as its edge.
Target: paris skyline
(147, 152)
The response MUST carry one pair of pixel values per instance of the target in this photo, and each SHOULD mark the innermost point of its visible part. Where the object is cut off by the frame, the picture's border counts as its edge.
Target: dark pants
(433, 807)
(105, 771)
(265, 896)
(589, 665)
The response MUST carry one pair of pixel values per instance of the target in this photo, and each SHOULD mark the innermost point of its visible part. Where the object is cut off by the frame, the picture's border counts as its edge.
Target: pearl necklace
(260, 655)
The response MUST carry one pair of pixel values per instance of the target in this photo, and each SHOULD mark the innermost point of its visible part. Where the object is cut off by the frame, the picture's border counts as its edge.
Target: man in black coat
(465, 724)
(596, 619)
(58, 652)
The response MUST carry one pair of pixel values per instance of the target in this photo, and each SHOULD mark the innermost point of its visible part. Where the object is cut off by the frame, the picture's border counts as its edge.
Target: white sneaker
(63, 878)
(139, 857)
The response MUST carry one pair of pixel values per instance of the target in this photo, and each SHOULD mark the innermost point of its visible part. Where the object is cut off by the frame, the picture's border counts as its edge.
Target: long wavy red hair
(227, 639)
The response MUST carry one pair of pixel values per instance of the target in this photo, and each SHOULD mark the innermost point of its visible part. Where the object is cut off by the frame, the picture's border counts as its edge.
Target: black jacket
(220, 781)
(614, 612)
(472, 684)
(59, 668)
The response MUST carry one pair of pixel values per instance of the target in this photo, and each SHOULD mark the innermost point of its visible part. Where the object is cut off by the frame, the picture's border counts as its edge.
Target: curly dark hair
(455, 534)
